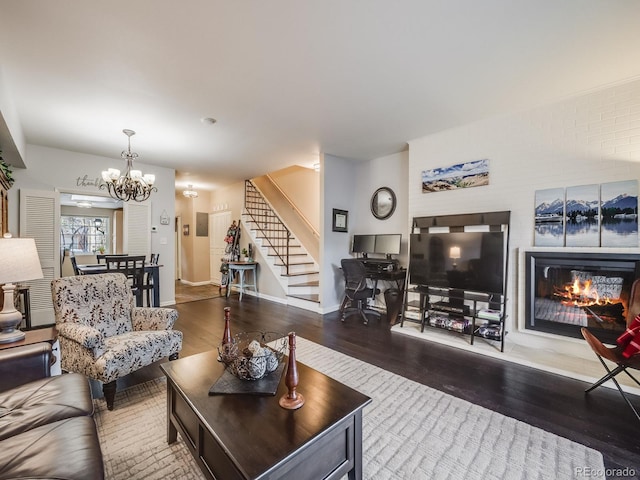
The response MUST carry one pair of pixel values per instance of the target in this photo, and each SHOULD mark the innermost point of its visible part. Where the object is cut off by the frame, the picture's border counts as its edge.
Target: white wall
(389, 171)
(347, 184)
(61, 170)
(337, 180)
(590, 139)
(11, 135)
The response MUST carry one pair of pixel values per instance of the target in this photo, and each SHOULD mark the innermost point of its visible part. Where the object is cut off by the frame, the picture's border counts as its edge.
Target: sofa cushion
(131, 351)
(64, 450)
(42, 402)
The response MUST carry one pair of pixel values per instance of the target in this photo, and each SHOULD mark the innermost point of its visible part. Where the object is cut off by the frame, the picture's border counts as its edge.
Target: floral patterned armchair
(103, 335)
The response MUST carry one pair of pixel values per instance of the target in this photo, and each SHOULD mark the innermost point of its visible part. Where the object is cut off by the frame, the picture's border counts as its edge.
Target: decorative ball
(257, 366)
(252, 355)
(271, 361)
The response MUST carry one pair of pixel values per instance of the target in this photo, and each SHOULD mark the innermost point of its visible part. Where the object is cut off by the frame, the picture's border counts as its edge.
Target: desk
(240, 268)
(253, 437)
(153, 269)
(398, 276)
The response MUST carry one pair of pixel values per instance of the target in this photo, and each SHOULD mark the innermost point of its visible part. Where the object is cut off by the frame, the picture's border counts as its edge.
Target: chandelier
(190, 192)
(133, 185)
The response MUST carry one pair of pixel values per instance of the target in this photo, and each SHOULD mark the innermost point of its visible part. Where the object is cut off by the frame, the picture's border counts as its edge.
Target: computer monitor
(388, 244)
(363, 244)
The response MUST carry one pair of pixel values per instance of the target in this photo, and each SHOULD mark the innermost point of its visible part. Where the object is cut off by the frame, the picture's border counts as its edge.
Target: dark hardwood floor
(554, 403)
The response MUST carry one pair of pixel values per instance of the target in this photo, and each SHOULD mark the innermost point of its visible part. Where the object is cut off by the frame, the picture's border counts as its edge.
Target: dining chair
(101, 256)
(148, 285)
(132, 266)
(74, 264)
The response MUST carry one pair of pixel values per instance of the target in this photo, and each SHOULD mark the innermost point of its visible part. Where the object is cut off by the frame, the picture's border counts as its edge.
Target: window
(85, 235)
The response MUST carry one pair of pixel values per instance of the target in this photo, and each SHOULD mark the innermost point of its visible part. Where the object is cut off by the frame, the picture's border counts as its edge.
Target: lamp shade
(19, 260)
(454, 252)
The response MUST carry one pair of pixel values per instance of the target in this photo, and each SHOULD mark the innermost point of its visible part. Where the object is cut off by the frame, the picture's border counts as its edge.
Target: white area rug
(410, 432)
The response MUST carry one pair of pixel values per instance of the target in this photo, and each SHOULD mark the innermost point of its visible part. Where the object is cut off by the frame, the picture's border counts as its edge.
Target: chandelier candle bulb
(149, 179)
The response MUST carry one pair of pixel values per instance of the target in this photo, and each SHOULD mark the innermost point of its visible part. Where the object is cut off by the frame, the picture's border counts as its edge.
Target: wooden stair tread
(298, 274)
(306, 284)
(292, 264)
(310, 298)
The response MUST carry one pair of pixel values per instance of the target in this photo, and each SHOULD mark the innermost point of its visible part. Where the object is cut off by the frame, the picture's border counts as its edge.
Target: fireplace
(566, 291)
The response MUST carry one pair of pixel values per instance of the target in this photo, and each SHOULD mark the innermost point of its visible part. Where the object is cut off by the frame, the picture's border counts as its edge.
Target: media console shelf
(461, 312)
(458, 265)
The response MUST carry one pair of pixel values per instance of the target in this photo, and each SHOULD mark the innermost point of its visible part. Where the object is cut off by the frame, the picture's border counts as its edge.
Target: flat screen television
(388, 244)
(470, 261)
(363, 244)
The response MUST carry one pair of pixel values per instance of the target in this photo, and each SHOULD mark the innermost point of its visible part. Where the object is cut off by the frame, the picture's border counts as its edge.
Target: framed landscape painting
(619, 209)
(461, 175)
(549, 218)
(582, 216)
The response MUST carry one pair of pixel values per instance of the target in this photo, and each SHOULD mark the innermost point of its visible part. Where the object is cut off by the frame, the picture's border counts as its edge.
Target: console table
(252, 437)
(241, 268)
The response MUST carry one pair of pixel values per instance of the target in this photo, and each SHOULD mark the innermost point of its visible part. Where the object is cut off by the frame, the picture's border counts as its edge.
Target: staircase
(291, 264)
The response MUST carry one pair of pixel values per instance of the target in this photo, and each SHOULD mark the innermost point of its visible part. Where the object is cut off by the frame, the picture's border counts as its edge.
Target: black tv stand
(432, 302)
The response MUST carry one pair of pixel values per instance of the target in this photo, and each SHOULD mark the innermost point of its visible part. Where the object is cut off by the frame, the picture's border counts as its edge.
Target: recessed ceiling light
(208, 120)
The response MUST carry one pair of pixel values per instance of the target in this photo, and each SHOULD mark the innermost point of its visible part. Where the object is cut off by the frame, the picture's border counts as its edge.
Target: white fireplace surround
(559, 354)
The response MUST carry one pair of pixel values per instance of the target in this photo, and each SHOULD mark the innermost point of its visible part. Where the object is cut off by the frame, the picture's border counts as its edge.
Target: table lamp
(19, 262)
(454, 254)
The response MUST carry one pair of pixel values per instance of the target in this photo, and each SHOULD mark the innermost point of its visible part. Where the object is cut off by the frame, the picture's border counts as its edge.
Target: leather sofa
(46, 426)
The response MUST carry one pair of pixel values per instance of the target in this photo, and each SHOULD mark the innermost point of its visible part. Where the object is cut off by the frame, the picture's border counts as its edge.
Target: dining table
(151, 268)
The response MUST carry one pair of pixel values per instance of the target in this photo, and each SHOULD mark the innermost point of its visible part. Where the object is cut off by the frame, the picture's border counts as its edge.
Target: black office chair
(356, 290)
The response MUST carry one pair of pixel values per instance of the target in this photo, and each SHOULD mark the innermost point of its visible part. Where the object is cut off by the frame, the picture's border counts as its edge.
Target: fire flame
(582, 295)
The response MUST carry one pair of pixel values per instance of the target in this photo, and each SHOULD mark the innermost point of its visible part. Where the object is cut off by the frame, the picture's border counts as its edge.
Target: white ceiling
(288, 79)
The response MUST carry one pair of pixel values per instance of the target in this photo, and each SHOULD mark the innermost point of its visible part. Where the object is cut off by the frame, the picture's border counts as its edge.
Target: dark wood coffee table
(252, 437)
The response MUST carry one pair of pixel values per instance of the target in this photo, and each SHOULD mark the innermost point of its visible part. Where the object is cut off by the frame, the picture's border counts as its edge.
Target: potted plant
(6, 171)
(245, 254)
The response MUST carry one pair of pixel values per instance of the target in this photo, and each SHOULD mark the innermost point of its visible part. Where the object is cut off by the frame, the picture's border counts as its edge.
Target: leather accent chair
(102, 333)
(614, 354)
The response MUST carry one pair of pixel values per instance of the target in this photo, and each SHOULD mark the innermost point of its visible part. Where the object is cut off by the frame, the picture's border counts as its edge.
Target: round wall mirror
(383, 203)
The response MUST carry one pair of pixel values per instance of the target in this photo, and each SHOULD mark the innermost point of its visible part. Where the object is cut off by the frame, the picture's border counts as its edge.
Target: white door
(218, 226)
(136, 229)
(40, 220)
